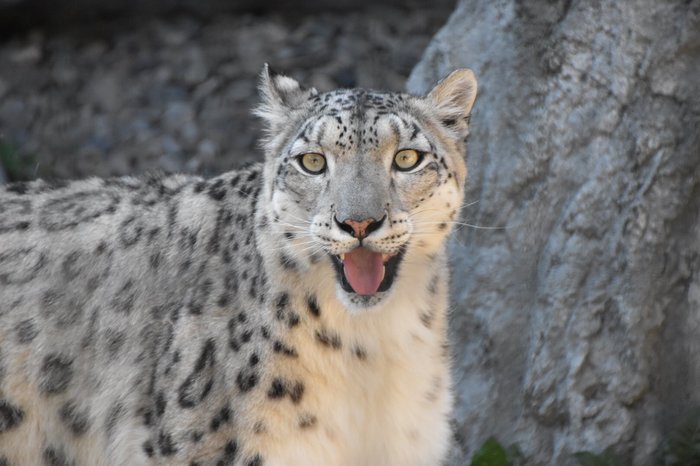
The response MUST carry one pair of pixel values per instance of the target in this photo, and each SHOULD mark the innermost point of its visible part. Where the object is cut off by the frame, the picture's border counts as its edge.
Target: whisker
(291, 225)
(460, 207)
(308, 222)
(478, 227)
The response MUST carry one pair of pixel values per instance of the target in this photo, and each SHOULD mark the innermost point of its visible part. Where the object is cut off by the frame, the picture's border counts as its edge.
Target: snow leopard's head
(362, 181)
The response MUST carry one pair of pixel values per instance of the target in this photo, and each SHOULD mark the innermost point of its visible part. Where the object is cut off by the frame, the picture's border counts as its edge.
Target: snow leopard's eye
(407, 159)
(312, 163)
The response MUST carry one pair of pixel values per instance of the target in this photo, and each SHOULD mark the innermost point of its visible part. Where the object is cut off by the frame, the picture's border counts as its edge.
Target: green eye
(407, 159)
(313, 163)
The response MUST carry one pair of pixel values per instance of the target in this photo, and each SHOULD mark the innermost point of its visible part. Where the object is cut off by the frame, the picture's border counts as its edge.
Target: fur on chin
(358, 304)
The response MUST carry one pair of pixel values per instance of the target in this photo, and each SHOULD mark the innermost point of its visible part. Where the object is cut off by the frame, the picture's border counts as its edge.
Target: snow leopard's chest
(369, 399)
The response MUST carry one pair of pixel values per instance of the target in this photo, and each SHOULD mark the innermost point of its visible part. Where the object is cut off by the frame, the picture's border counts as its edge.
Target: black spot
(432, 287)
(197, 385)
(247, 379)
(26, 331)
(15, 213)
(200, 296)
(72, 209)
(166, 444)
(148, 448)
(265, 332)
(231, 281)
(199, 187)
(61, 308)
(125, 298)
(76, 420)
(426, 318)
(359, 353)
(115, 341)
(223, 300)
(69, 268)
(254, 359)
(197, 436)
(277, 389)
(287, 262)
(223, 220)
(55, 457)
(147, 414)
(152, 233)
(296, 392)
(253, 292)
(279, 347)
(10, 415)
(161, 403)
(20, 266)
(328, 338)
(292, 319)
(230, 452)
(233, 341)
(222, 417)
(313, 306)
(442, 226)
(217, 191)
(307, 421)
(56, 374)
(282, 300)
(155, 259)
(255, 461)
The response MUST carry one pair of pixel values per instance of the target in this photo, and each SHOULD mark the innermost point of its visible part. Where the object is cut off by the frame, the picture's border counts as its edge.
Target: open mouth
(366, 272)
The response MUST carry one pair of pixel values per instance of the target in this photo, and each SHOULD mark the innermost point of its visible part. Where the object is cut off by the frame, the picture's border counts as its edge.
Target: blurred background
(120, 87)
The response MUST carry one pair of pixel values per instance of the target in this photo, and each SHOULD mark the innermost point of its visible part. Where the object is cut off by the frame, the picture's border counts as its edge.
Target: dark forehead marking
(356, 100)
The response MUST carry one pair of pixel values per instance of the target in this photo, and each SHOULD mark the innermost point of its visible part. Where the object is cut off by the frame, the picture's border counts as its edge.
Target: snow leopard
(293, 312)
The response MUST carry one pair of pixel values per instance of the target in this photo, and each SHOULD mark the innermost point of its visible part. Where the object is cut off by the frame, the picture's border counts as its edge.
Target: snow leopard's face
(369, 182)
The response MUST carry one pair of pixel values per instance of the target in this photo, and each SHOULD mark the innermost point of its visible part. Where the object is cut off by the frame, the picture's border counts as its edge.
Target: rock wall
(175, 93)
(577, 325)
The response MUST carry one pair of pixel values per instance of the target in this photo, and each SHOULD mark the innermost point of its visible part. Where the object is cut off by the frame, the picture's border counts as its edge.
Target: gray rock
(577, 325)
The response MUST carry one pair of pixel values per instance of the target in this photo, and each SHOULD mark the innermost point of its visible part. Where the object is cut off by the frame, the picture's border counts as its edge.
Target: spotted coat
(180, 320)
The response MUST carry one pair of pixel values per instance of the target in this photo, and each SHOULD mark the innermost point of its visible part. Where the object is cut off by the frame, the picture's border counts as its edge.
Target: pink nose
(359, 228)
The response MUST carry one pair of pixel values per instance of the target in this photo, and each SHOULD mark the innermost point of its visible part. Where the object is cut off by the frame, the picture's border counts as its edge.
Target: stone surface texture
(175, 92)
(577, 325)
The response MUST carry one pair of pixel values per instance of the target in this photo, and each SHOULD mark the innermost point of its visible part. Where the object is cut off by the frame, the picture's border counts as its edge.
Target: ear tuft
(279, 95)
(453, 98)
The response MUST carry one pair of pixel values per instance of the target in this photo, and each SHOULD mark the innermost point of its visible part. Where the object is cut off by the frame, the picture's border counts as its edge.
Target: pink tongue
(364, 270)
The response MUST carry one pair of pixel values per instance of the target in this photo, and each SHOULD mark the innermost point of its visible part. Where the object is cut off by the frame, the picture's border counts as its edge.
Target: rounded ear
(279, 95)
(453, 98)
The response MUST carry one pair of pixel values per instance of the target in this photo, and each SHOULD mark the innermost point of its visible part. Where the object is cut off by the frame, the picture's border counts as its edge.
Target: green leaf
(18, 168)
(491, 453)
(682, 447)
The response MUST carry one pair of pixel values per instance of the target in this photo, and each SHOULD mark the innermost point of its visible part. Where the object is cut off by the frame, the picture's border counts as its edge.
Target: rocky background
(143, 85)
(576, 319)
(577, 326)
